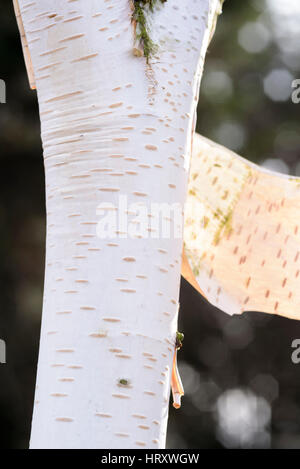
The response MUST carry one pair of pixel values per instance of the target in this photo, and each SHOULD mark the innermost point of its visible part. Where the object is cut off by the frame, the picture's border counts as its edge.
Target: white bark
(111, 125)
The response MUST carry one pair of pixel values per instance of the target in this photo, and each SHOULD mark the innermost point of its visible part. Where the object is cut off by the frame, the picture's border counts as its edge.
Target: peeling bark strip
(103, 139)
(176, 384)
(246, 257)
(26, 52)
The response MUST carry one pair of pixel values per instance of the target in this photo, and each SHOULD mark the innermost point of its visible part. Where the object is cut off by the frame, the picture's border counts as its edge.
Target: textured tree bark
(112, 125)
(246, 254)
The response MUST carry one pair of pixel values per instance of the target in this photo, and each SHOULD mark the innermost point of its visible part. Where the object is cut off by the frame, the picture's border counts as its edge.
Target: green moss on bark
(141, 8)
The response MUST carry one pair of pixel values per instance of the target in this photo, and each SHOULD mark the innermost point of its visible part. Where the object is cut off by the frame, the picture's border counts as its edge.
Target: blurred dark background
(242, 389)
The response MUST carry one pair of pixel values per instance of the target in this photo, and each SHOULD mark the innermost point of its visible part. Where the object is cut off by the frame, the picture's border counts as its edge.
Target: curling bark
(111, 125)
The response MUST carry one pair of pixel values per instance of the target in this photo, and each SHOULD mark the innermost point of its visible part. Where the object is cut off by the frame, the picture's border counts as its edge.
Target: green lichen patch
(141, 10)
(124, 382)
(225, 226)
(196, 271)
(179, 340)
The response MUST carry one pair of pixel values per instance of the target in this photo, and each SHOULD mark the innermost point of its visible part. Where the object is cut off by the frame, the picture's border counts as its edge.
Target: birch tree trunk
(112, 126)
